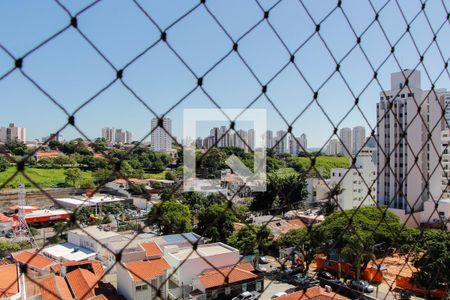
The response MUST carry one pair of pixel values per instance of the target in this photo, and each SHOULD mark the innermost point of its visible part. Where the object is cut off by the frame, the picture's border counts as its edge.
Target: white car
(279, 294)
(247, 296)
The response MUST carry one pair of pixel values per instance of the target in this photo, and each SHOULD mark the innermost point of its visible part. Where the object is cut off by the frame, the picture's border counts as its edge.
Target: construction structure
(21, 230)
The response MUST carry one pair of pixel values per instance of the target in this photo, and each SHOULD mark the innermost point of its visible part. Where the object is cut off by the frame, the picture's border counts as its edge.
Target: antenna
(22, 231)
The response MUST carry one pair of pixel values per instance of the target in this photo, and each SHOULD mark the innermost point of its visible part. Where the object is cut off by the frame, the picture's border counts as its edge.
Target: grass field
(43, 177)
(160, 175)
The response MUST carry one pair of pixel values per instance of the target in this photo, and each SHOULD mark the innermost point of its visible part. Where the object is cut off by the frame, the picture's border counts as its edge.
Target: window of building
(258, 286)
(244, 287)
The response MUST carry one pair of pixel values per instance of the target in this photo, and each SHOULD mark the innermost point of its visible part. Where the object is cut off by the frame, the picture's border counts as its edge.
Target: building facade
(407, 163)
(345, 134)
(358, 138)
(161, 140)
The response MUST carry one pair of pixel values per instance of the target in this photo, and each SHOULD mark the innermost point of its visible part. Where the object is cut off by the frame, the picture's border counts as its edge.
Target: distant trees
(284, 192)
(15, 147)
(3, 164)
(171, 217)
(73, 175)
(251, 239)
(217, 222)
(7, 247)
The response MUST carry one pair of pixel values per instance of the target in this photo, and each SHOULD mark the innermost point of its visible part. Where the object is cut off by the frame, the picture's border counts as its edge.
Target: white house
(358, 182)
(94, 239)
(187, 265)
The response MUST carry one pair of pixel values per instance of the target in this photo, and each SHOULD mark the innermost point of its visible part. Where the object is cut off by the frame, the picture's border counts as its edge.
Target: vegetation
(216, 222)
(171, 217)
(3, 164)
(45, 178)
(73, 175)
(7, 247)
(323, 164)
(251, 239)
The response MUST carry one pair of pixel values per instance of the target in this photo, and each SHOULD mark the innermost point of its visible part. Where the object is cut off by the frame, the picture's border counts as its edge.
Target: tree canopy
(171, 217)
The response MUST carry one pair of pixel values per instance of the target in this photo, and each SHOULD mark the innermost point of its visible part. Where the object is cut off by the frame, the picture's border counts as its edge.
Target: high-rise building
(358, 182)
(13, 133)
(304, 141)
(269, 139)
(128, 137)
(445, 163)
(297, 144)
(281, 142)
(446, 106)
(358, 138)
(345, 134)
(333, 147)
(407, 163)
(119, 136)
(108, 134)
(251, 139)
(161, 140)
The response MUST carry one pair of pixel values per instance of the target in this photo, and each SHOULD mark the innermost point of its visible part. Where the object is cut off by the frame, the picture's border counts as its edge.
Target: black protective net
(315, 51)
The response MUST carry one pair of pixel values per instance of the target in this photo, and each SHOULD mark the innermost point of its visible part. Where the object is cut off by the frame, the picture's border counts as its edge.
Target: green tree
(73, 175)
(103, 175)
(217, 222)
(358, 249)
(3, 164)
(328, 206)
(83, 214)
(211, 163)
(251, 239)
(113, 208)
(433, 260)
(7, 247)
(169, 176)
(171, 217)
(16, 147)
(305, 242)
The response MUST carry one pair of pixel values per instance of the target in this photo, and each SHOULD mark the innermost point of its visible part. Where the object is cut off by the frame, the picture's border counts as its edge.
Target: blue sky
(70, 70)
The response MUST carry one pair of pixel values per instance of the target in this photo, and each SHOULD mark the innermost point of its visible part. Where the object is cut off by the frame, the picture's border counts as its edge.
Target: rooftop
(33, 259)
(95, 232)
(54, 287)
(202, 250)
(9, 283)
(93, 266)
(68, 251)
(214, 278)
(147, 269)
(151, 249)
(316, 293)
(82, 283)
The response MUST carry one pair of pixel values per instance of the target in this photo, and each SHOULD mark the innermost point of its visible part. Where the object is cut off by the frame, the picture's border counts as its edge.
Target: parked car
(362, 285)
(325, 275)
(263, 260)
(247, 296)
(279, 294)
(9, 234)
(303, 280)
(260, 269)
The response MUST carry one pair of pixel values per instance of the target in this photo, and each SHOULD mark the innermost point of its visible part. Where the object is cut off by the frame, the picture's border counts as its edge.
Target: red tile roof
(82, 283)
(151, 249)
(95, 266)
(54, 287)
(9, 280)
(4, 218)
(214, 278)
(147, 269)
(316, 293)
(37, 262)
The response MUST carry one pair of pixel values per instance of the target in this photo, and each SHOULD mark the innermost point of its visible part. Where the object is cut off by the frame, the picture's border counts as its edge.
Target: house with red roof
(142, 279)
(10, 286)
(314, 293)
(34, 261)
(5, 224)
(225, 283)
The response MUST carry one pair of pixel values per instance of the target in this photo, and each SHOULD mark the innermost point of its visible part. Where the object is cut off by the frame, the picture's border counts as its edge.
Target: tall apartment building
(128, 137)
(119, 136)
(405, 153)
(333, 147)
(298, 144)
(281, 142)
(356, 182)
(251, 139)
(345, 134)
(269, 139)
(446, 106)
(161, 141)
(108, 134)
(13, 133)
(358, 138)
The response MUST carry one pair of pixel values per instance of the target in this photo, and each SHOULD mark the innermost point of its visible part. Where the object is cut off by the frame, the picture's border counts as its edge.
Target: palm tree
(328, 206)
